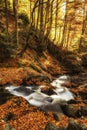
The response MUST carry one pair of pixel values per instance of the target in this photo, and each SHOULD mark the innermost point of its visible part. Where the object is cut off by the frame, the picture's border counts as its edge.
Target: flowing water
(36, 97)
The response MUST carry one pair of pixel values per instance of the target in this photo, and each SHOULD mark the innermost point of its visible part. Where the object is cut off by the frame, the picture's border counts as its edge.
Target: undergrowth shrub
(24, 18)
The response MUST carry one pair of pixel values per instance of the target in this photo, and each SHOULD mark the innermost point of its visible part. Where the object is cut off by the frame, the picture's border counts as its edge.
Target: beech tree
(83, 33)
(62, 21)
(6, 13)
(15, 10)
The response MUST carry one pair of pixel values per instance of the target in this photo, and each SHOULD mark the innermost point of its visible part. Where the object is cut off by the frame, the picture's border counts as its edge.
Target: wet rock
(48, 91)
(83, 94)
(73, 125)
(51, 126)
(8, 127)
(8, 116)
(71, 110)
(73, 101)
(57, 116)
(52, 107)
(84, 110)
(76, 126)
(83, 127)
(4, 95)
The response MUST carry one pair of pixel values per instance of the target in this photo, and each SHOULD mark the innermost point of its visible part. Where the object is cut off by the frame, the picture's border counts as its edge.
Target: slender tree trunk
(15, 8)
(41, 16)
(38, 17)
(17, 23)
(51, 13)
(69, 16)
(41, 23)
(56, 19)
(47, 19)
(83, 26)
(33, 13)
(30, 12)
(6, 13)
(65, 26)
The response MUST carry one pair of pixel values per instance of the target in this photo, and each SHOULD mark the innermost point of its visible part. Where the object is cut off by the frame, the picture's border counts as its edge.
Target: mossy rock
(73, 125)
(71, 110)
(51, 126)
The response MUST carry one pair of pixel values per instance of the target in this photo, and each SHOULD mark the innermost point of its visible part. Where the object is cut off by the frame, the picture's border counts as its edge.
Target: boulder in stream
(73, 125)
(51, 126)
(84, 110)
(71, 110)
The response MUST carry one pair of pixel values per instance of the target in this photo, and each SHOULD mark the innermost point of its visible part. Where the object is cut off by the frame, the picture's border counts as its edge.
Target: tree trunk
(65, 26)
(56, 18)
(47, 19)
(15, 9)
(6, 13)
(83, 27)
(38, 17)
(51, 13)
(41, 24)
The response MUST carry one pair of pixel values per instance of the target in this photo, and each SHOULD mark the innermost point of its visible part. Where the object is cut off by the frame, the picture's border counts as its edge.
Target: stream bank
(16, 110)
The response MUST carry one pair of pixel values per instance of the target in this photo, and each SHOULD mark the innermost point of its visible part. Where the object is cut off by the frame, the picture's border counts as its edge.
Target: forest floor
(17, 72)
(34, 69)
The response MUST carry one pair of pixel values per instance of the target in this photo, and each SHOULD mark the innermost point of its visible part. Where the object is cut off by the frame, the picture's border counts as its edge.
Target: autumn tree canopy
(63, 21)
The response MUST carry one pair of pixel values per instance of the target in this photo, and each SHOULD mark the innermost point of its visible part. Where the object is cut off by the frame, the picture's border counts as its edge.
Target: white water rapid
(35, 97)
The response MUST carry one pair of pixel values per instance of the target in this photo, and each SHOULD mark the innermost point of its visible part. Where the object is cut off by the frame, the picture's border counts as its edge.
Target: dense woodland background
(62, 21)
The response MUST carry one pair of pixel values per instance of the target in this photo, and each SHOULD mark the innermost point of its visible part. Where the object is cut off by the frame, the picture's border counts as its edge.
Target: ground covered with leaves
(16, 112)
(31, 69)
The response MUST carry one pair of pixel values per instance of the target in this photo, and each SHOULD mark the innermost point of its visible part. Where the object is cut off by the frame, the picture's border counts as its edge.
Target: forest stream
(60, 97)
(36, 96)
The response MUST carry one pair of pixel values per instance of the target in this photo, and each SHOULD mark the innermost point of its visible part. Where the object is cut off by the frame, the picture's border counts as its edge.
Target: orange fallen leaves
(26, 117)
(12, 75)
